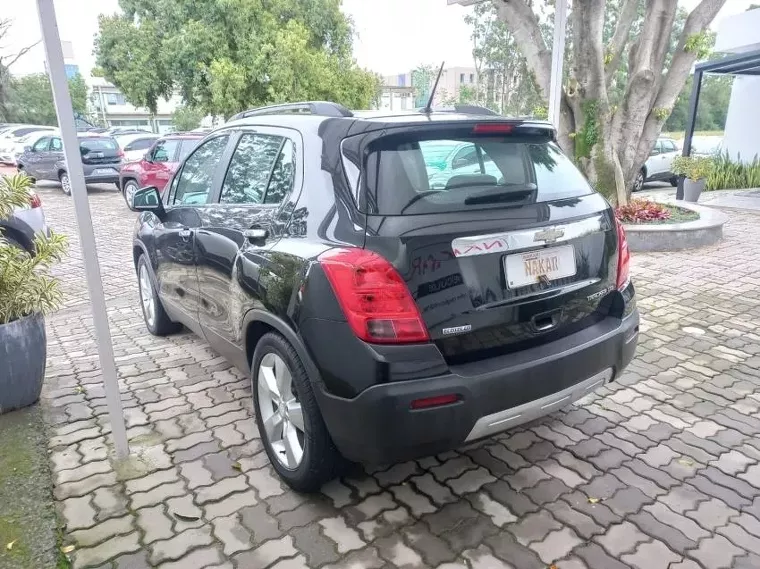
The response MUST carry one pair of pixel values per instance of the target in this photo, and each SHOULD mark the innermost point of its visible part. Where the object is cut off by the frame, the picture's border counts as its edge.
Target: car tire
(319, 461)
(130, 186)
(674, 181)
(157, 321)
(638, 183)
(63, 177)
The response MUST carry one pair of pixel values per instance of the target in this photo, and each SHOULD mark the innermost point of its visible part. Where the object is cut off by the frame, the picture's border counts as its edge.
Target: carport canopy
(737, 64)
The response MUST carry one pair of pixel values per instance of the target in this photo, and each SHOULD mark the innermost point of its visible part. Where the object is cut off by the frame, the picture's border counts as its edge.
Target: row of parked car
(128, 158)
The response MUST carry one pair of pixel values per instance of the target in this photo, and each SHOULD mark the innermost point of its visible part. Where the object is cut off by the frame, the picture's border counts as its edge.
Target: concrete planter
(692, 189)
(707, 230)
(23, 351)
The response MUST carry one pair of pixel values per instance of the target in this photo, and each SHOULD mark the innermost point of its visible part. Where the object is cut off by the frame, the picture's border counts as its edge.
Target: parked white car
(134, 146)
(11, 138)
(11, 149)
(659, 165)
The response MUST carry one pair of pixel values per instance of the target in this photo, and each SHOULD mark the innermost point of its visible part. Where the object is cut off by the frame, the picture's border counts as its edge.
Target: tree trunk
(611, 144)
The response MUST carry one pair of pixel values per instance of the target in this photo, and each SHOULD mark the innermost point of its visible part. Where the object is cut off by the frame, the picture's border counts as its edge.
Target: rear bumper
(380, 426)
(100, 179)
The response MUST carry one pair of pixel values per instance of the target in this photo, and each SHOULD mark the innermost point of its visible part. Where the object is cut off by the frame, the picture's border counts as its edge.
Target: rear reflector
(436, 401)
(375, 299)
(34, 200)
(624, 258)
(493, 128)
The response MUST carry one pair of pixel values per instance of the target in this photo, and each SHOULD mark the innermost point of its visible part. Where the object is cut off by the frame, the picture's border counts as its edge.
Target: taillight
(493, 128)
(624, 258)
(377, 304)
(34, 200)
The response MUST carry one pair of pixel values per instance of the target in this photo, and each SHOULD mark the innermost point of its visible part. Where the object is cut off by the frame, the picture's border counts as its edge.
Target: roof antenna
(429, 107)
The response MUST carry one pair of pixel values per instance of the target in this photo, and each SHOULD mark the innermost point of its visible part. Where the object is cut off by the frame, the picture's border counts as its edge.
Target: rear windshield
(98, 145)
(412, 175)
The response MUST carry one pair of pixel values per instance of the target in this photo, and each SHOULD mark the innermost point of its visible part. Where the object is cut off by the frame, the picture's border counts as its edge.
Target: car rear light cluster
(493, 128)
(34, 200)
(624, 258)
(375, 299)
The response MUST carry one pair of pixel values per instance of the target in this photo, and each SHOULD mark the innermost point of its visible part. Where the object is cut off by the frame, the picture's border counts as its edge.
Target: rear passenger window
(260, 171)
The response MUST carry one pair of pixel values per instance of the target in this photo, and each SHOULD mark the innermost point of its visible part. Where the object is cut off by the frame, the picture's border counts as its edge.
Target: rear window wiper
(496, 195)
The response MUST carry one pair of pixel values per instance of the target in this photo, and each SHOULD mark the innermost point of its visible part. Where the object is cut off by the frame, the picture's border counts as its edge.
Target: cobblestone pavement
(660, 470)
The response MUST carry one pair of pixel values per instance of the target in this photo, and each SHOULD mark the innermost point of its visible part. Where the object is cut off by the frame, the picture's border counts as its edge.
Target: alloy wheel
(129, 192)
(146, 296)
(66, 184)
(280, 411)
(639, 183)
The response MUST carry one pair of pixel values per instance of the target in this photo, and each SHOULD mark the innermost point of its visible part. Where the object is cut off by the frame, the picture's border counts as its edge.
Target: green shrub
(728, 174)
(693, 167)
(26, 286)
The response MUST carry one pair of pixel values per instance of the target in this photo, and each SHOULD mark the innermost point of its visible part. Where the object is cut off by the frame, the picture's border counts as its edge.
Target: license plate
(524, 269)
(103, 171)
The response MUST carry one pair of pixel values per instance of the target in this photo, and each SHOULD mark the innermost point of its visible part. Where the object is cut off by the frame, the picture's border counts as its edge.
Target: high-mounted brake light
(624, 258)
(493, 128)
(375, 299)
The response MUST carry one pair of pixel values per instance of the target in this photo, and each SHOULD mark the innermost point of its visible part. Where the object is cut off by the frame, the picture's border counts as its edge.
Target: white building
(738, 35)
(110, 106)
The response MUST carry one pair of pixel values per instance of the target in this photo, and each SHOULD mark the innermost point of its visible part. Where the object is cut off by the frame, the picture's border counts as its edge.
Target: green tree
(229, 55)
(186, 118)
(30, 99)
(713, 104)
(6, 61)
(610, 120)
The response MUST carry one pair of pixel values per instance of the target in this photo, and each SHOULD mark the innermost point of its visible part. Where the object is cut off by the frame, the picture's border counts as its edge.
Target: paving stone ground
(659, 470)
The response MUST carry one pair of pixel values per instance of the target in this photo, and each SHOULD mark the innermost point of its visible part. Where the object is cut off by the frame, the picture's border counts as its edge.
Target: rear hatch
(500, 239)
(99, 150)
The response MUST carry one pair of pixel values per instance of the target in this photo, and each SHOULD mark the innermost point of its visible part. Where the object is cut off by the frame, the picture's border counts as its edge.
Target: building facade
(112, 109)
(738, 34)
(400, 93)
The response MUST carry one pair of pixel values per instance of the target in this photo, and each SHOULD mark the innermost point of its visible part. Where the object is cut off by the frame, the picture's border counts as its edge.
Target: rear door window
(411, 174)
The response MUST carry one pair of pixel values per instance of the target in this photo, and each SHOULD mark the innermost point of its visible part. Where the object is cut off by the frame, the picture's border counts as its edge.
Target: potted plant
(695, 170)
(27, 292)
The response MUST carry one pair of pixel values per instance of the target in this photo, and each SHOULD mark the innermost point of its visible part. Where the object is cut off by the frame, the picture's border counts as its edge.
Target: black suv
(381, 318)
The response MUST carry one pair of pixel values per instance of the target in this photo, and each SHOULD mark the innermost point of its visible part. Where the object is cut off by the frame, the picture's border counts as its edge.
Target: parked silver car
(21, 227)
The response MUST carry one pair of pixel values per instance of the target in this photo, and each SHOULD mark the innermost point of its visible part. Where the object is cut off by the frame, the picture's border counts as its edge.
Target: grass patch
(679, 134)
(27, 514)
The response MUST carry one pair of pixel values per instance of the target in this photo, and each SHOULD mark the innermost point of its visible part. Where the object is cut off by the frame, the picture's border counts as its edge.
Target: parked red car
(159, 163)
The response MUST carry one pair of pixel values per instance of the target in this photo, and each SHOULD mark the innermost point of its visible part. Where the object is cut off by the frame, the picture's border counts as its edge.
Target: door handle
(185, 234)
(256, 234)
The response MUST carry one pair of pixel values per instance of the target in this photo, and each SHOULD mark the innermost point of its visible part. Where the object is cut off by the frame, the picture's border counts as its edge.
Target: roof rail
(464, 109)
(319, 108)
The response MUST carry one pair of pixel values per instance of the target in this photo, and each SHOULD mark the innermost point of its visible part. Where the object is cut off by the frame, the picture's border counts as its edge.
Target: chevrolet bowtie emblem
(548, 235)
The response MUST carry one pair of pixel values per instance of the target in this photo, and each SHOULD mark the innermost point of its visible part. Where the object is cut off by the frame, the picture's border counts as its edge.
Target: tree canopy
(30, 99)
(229, 55)
(627, 61)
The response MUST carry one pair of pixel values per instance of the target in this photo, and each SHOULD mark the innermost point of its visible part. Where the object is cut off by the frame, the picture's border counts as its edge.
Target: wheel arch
(257, 323)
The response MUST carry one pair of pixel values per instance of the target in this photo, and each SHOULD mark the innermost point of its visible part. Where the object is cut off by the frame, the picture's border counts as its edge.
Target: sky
(393, 36)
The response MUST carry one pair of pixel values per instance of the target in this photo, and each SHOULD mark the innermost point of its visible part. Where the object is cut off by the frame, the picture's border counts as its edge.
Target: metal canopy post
(558, 59)
(690, 124)
(65, 112)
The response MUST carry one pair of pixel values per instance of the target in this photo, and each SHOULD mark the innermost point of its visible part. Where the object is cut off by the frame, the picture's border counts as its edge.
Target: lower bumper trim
(503, 420)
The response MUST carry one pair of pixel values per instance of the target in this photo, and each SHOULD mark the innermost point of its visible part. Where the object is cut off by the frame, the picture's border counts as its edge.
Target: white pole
(65, 112)
(558, 58)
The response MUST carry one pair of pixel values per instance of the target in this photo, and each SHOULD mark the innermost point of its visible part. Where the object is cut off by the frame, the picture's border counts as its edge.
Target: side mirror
(458, 163)
(148, 156)
(28, 148)
(147, 199)
(654, 152)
